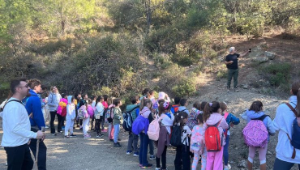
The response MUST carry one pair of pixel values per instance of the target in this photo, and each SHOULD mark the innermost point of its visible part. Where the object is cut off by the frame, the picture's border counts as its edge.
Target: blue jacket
(33, 105)
(232, 119)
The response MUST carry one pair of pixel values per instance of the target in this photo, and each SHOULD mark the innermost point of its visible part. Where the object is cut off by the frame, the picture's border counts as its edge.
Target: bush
(278, 73)
(186, 87)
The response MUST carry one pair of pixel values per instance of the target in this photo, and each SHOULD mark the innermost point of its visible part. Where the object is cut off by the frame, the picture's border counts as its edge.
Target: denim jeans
(143, 149)
(133, 142)
(116, 132)
(225, 153)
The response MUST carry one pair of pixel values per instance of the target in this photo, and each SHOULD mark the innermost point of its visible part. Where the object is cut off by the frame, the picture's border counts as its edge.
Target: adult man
(231, 62)
(33, 107)
(16, 129)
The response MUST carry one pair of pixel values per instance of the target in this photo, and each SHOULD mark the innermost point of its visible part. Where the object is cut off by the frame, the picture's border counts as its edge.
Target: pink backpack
(197, 140)
(153, 130)
(255, 133)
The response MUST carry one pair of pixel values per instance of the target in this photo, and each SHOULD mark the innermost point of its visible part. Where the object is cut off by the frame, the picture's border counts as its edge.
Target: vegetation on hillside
(85, 45)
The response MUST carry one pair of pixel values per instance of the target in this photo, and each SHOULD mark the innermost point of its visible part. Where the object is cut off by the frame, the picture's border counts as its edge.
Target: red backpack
(213, 141)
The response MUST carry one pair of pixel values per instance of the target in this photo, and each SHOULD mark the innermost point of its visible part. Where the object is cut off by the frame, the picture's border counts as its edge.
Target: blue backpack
(295, 141)
(139, 124)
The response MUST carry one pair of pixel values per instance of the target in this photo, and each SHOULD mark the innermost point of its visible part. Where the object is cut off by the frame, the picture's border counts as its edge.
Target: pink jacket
(214, 119)
(60, 108)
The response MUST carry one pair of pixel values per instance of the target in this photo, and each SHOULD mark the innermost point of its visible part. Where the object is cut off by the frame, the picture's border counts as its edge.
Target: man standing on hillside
(33, 107)
(231, 62)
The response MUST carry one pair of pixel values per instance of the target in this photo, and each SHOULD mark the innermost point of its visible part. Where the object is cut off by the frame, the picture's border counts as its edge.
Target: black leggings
(163, 159)
(97, 126)
(52, 114)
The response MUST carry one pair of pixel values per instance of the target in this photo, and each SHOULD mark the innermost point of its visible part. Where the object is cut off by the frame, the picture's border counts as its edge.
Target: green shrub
(185, 87)
(277, 74)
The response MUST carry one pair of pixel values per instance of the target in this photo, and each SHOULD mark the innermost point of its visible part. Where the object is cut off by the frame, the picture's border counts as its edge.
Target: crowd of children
(203, 132)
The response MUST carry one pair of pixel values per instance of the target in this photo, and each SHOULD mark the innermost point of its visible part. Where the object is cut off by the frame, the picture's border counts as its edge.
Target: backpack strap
(12, 101)
(261, 118)
(293, 109)
(295, 112)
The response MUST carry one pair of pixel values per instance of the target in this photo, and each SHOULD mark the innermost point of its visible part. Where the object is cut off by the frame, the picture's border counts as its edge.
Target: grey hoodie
(53, 101)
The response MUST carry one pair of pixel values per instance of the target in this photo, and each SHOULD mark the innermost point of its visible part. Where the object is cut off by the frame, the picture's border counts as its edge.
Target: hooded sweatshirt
(214, 119)
(283, 122)
(33, 105)
(53, 101)
(71, 112)
(250, 114)
(145, 112)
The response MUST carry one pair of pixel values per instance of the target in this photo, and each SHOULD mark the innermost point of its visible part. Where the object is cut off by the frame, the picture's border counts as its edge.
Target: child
(109, 117)
(98, 115)
(167, 120)
(85, 121)
(133, 139)
(176, 105)
(192, 119)
(94, 107)
(105, 105)
(256, 111)
(182, 107)
(182, 159)
(145, 107)
(70, 117)
(198, 144)
(61, 112)
(117, 120)
(231, 120)
(212, 116)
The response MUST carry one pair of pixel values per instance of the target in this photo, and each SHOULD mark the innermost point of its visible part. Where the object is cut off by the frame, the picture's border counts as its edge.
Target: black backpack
(176, 136)
(127, 123)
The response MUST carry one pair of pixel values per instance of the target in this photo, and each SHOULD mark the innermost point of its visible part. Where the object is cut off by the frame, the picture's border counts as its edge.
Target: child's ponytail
(210, 108)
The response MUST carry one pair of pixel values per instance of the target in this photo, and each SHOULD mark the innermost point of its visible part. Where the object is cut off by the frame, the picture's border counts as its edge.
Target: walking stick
(37, 149)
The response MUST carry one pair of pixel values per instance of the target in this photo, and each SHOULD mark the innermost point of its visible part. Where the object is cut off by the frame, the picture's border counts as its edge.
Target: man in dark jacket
(34, 109)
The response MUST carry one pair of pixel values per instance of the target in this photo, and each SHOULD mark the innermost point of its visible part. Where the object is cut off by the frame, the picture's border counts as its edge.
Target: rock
(260, 59)
(242, 164)
(245, 86)
(270, 153)
(270, 55)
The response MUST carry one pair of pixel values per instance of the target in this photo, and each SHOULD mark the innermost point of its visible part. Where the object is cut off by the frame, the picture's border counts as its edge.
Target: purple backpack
(140, 124)
(255, 133)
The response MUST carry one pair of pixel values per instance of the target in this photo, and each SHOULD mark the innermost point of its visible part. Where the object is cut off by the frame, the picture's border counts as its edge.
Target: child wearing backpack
(182, 158)
(145, 107)
(198, 144)
(117, 120)
(255, 117)
(182, 107)
(231, 120)
(98, 115)
(70, 117)
(192, 119)
(85, 121)
(133, 138)
(214, 127)
(92, 117)
(109, 117)
(105, 105)
(167, 120)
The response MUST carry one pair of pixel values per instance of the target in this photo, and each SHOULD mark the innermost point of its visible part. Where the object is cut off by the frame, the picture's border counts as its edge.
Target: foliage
(185, 87)
(278, 73)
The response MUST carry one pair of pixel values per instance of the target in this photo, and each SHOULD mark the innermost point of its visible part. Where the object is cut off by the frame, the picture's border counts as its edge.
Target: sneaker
(128, 152)
(87, 136)
(54, 134)
(111, 140)
(228, 167)
(136, 154)
(67, 136)
(147, 166)
(46, 127)
(72, 135)
(117, 145)
(152, 157)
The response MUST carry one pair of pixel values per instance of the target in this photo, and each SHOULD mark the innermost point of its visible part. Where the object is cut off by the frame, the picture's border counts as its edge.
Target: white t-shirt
(16, 125)
(184, 137)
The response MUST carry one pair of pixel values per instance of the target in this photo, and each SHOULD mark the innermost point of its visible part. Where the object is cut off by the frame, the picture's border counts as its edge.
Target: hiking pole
(37, 149)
